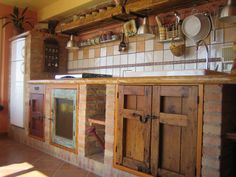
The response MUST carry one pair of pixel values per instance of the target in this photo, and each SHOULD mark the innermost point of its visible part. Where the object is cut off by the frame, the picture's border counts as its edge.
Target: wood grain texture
(173, 80)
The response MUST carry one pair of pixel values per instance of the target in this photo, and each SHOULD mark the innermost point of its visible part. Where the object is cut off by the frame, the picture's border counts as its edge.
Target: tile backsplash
(151, 55)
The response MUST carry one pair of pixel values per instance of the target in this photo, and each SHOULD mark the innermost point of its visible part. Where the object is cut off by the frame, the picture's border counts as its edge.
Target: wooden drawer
(37, 89)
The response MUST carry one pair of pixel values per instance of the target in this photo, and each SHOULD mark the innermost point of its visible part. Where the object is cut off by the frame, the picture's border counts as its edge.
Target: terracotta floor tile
(71, 173)
(48, 164)
(92, 175)
(22, 161)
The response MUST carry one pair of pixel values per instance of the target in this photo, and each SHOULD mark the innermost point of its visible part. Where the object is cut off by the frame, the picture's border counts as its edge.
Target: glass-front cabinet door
(64, 117)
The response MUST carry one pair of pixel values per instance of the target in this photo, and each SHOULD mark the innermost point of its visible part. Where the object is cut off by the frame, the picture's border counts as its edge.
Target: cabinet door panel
(176, 108)
(36, 115)
(133, 136)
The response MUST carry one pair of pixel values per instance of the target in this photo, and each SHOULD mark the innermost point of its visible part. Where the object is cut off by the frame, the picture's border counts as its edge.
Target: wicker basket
(177, 50)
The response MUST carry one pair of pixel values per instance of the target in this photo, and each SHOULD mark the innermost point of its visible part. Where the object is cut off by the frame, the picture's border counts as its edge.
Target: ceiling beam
(62, 8)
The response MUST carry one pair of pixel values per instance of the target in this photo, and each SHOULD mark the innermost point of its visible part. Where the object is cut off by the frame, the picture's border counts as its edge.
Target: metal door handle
(51, 119)
(145, 118)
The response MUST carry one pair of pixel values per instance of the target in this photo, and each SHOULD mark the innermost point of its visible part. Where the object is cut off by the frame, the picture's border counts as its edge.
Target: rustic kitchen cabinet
(36, 112)
(64, 109)
(156, 129)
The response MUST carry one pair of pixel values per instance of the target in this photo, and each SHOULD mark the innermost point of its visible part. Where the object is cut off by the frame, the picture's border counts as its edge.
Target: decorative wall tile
(109, 71)
(140, 46)
(116, 72)
(190, 53)
(86, 63)
(103, 71)
(219, 36)
(122, 71)
(116, 60)
(229, 34)
(201, 65)
(201, 53)
(110, 51)
(70, 64)
(158, 68)
(91, 62)
(80, 63)
(97, 62)
(167, 45)
(179, 67)
(91, 53)
(168, 67)
(75, 54)
(189, 42)
(86, 53)
(148, 68)
(216, 50)
(124, 59)
(97, 52)
(103, 61)
(131, 58)
(158, 46)
(149, 45)
(109, 60)
(70, 55)
(148, 57)
(132, 47)
(103, 52)
(158, 56)
(190, 66)
(81, 54)
(181, 58)
(116, 50)
(139, 68)
(168, 56)
(140, 57)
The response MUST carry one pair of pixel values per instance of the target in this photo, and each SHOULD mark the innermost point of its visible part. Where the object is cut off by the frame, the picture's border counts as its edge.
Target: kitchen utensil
(162, 33)
(130, 28)
(158, 20)
(177, 50)
(123, 45)
(197, 27)
(228, 13)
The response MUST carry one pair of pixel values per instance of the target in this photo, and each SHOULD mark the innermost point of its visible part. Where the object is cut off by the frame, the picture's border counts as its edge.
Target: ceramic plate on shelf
(130, 28)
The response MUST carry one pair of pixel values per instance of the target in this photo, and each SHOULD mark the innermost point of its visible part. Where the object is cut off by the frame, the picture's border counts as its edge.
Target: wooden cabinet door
(176, 109)
(64, 104)
(36, 126)
(134, 136)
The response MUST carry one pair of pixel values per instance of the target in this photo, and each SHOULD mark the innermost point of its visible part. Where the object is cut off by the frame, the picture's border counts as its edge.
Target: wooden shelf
(97, 157)
(106, 17)
(231, 136)
(100, 121)
(169, 40)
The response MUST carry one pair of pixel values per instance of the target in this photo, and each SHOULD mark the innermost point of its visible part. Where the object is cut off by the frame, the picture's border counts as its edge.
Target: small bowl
(102, 10)
(94, 13)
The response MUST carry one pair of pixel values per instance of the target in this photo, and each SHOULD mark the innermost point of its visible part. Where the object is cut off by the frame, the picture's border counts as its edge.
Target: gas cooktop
(81, 75)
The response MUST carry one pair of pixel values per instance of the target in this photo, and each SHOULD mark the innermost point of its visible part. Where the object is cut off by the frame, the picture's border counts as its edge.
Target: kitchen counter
(209, 79)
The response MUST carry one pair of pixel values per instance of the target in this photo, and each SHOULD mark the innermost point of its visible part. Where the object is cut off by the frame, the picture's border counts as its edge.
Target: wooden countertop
(210, 79)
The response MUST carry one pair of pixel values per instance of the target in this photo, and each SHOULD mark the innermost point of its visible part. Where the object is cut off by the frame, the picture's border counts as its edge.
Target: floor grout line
(58, 169)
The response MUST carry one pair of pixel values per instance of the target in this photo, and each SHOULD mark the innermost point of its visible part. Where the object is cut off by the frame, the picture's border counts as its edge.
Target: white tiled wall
(152, 59)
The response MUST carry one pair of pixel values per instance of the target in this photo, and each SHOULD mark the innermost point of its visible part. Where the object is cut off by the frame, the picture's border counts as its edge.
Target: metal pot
(197, 27)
